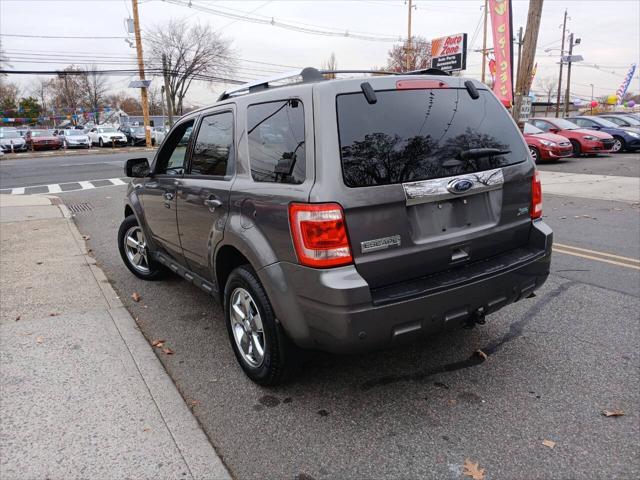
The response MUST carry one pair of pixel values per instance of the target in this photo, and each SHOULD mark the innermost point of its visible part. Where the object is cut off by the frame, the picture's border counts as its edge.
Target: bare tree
(95, 88)
(419, 55)
(156, 99)
(41, 89)
(193, 52)
(9, 94)
(549, 86)
(4, 62)
(330, 64)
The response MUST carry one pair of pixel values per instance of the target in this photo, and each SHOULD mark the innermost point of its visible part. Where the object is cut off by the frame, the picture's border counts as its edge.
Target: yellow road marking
(581, 255)
(595, 252)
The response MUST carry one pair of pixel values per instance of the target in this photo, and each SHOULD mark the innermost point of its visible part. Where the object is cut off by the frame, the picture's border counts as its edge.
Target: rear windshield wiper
(481, 153)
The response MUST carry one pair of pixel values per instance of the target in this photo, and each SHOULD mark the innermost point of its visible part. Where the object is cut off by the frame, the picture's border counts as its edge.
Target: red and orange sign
(449, 53)
(500, 11)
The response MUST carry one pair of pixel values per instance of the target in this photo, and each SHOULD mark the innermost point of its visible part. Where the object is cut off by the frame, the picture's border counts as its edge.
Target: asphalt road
(554, 363)
(26, 172)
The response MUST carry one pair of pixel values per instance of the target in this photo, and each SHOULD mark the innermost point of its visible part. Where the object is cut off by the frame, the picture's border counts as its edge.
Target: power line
(288, 25)
(62, 36)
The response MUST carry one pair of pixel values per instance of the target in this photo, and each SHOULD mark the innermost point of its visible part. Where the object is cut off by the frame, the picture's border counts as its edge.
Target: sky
(609, 32)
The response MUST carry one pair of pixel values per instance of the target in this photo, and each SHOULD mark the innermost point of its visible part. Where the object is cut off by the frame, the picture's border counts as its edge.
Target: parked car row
(22, 139)
(555, 138)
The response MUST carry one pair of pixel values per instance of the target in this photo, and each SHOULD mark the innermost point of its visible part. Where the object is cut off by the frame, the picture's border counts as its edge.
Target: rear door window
(411, 135)
(276, 141)
(213, 149)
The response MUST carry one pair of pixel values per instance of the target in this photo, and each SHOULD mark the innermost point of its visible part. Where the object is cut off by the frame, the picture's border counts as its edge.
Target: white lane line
(117, 181)
(55, 188)
(86, 185)
(17, 191)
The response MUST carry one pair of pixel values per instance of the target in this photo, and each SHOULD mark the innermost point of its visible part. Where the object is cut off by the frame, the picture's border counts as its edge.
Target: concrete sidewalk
(82, 394)
(602, 187)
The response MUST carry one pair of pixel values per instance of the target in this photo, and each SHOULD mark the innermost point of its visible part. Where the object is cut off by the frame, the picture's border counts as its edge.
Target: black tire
(279, 360)
(577, 149)
(100, 143)
(535, 154)
(619, 145)
(155, 270)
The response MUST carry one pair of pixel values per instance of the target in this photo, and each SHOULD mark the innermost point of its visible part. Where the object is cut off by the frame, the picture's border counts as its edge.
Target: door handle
(212, 203)
(167, 196)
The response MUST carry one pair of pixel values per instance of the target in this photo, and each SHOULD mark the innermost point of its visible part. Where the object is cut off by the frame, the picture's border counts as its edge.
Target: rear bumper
(335, 310)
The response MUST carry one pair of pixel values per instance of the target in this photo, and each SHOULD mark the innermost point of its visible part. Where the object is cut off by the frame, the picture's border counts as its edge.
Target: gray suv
(341, 215)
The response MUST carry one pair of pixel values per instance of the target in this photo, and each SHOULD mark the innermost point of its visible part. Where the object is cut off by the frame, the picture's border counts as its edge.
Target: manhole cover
(80, 207)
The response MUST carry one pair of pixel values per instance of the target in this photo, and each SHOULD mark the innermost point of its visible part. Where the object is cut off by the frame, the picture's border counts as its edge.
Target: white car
(106, 136)
(75, 138)
(159, 134)
(11, 141)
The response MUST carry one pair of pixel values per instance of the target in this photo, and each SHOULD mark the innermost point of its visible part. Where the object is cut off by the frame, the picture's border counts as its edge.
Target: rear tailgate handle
(459, 254)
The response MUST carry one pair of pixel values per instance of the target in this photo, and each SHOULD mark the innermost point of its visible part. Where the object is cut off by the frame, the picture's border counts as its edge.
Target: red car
(546, 146)
(582, 139)
(42, 140)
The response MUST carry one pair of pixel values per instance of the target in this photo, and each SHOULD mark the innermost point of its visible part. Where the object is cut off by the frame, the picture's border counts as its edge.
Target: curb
(196, 449)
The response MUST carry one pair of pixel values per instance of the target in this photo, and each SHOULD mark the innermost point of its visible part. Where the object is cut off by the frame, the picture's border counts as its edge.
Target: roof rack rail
(310, 74)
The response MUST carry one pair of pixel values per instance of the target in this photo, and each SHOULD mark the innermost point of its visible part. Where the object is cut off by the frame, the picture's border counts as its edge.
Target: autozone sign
(449, 53)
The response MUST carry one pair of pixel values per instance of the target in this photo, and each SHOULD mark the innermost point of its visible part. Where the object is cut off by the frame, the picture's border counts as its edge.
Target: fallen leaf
(473, 470)
(38, 263)
(452, 402)
(158, 343)
(613, 413)
(146, 429)
(39, 339)
(136, 297)
(549, 443)
(54, 314)
(194, 403)
(167, 350)
(18, 318)
(86, 237)
(481, 354)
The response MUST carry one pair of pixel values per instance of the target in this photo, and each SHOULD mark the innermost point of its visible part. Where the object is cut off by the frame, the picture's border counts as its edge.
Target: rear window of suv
(411, 135)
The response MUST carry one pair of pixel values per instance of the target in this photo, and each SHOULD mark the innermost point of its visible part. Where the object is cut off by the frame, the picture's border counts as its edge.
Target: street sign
(449, 53)
(525, 109)
(139, 84)
(572, 58)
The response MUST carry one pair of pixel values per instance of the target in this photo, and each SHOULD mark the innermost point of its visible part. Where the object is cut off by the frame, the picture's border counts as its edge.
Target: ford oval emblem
(459, 185)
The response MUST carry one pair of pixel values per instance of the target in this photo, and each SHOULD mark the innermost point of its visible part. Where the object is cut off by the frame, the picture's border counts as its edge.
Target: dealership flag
(501, 27)
(622, 89)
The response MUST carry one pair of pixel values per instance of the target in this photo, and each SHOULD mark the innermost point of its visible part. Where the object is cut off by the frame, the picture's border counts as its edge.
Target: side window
(544, 126)
(173, 152)
(582, 122)
(276, 141)
(213, 148)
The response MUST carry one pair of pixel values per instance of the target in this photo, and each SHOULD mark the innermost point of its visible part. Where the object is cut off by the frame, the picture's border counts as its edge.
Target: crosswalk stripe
(57, 187)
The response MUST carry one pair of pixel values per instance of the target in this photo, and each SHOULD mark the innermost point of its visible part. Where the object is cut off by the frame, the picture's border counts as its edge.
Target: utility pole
(591, 104)
(564, 29)
(523, 83)
(484, 41)
(520, 32)
(165, 74)
(566, 95)
(143, 90)
(409, 47)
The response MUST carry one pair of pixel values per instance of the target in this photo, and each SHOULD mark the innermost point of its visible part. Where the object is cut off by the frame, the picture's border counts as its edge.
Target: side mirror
(137, 168)
(596, 127)
(554, 130)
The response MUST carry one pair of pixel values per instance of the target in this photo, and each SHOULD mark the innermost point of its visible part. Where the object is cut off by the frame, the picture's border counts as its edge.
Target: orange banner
(500, 11)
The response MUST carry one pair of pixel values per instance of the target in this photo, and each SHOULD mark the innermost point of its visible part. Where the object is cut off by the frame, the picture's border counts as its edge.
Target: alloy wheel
(617, 145)
(246, 325)
(534, 154)
(135, 246)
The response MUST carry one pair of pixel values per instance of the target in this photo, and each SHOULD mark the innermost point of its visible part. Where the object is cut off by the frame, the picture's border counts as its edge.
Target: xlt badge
(380, 243)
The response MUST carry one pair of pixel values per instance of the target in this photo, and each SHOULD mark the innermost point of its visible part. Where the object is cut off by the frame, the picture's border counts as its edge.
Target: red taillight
(536, 196)
(419, 84)
(319, 234)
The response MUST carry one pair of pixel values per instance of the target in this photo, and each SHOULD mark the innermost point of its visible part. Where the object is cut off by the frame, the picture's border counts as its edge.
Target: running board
(205, 285)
